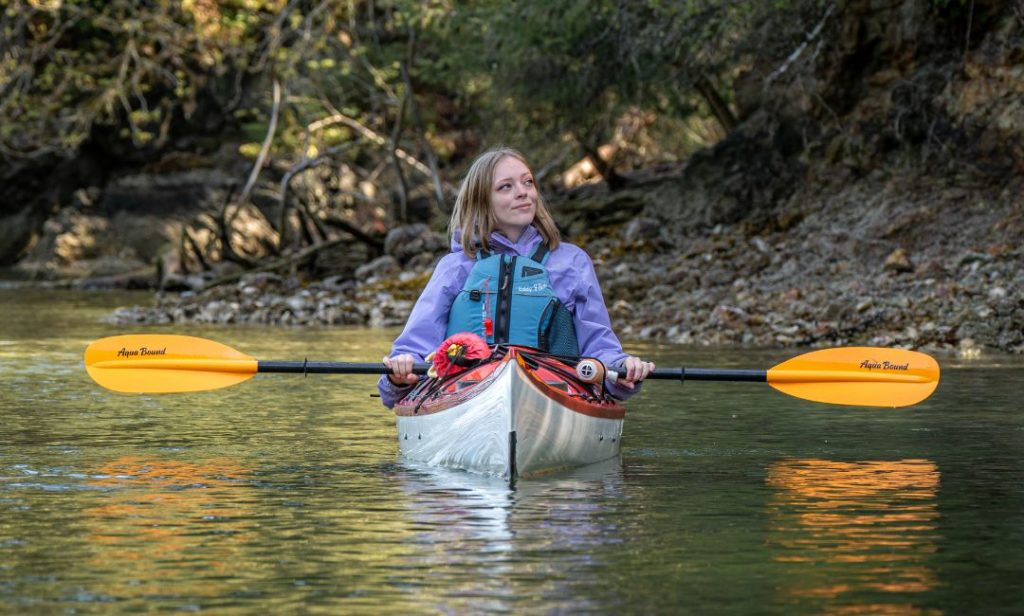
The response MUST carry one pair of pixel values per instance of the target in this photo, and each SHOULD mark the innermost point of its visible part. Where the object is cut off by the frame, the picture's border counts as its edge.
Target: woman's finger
(401, 369)
(635, 370)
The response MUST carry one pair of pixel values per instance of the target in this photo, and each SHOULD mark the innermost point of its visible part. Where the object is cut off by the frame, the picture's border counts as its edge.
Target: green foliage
(74, 65)
(448, 73)
(573, 68)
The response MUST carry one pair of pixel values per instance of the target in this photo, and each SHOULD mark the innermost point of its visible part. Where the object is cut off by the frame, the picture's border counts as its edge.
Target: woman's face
(513, 196)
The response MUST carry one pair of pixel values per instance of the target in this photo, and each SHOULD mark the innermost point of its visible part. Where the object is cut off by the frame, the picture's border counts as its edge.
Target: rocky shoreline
(271, 299)
(723, 287)
(769, 299)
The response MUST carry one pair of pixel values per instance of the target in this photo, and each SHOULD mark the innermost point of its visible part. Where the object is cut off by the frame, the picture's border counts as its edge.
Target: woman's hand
(634, 370)
(401, 369)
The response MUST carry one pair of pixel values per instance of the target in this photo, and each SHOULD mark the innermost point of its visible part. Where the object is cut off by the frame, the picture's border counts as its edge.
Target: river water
(286, 495)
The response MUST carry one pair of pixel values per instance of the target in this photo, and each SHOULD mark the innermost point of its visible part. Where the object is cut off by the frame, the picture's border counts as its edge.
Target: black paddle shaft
(710, 374)
(330, 367)
(340, 367)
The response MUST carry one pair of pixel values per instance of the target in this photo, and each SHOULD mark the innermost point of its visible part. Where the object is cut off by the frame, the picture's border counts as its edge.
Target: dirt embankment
(901, 259)
(895, 218)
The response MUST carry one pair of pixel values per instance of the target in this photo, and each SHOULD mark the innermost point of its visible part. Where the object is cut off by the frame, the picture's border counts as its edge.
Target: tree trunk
(605, 168)
(717, 104)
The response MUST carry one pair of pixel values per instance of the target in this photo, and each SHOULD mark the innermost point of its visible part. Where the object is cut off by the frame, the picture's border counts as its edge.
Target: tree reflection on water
(857, 536)
(147, 528)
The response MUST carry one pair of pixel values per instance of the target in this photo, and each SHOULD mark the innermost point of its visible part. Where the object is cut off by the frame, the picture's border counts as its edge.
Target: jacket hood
(525, 245)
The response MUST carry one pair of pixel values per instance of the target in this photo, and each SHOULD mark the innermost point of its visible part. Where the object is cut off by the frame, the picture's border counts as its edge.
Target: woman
(499, 215)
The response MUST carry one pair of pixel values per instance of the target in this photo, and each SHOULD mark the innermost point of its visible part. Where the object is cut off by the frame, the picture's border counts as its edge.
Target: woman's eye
(529, 182)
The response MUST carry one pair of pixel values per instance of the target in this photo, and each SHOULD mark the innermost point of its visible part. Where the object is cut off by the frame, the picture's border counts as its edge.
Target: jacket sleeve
(428, 322)
(391, 393)
(593, 325)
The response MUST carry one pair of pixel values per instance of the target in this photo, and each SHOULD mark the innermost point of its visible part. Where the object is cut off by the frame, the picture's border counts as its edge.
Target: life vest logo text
(536, 287)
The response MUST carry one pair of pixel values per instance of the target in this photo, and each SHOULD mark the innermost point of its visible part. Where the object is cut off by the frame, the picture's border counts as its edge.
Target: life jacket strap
(540, 253)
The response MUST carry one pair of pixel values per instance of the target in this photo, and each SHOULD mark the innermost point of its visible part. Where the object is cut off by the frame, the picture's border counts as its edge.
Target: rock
(381, 266)
(760, 245)
(642, 229)
(262, 281)
(971, 257)
(423, 261)
(298, 304)
(338, 283)
(968, 349)
(404, 243)
(729, 316)
(176, 283)
(225, 268)
(898, 261)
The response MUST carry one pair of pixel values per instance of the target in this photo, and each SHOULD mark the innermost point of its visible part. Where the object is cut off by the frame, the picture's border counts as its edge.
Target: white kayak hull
(512, 426)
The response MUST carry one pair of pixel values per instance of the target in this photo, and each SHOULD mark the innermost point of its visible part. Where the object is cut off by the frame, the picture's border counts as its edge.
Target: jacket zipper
(504, 307)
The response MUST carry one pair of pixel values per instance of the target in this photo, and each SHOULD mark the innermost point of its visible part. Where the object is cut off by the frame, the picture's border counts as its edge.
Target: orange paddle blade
(860, 376)
(161, 363)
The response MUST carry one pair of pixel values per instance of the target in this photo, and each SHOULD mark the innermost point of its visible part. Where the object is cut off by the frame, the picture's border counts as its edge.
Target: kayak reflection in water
(510, 279)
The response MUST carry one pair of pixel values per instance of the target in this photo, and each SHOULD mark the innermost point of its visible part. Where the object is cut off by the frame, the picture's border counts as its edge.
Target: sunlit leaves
(46, 5)
(250, 150)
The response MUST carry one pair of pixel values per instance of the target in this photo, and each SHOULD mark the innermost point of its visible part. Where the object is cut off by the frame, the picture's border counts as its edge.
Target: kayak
(521, 413)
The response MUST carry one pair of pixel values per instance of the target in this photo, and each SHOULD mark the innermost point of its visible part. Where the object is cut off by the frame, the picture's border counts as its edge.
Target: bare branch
(193, 243)
(813, 34)
(341, 223)
(403, 188)
(418, 124)
(545, 169)
(719, 107)
(265, 148)
(296, 170)
(377, 138)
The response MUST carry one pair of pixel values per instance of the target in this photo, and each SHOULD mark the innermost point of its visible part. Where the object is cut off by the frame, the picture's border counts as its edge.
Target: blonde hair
(472, 215)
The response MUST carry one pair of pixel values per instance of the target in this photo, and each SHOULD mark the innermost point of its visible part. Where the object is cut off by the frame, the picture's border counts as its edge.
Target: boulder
(405, 242)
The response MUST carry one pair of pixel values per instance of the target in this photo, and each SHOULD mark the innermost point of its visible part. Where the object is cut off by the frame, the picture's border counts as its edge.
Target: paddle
(161, 363)
(856, 376)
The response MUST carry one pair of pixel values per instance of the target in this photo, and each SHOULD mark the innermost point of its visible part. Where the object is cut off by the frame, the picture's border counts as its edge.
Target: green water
(285, 495)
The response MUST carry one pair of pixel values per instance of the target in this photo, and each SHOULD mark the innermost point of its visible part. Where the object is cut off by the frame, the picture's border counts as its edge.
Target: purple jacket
(572, 277)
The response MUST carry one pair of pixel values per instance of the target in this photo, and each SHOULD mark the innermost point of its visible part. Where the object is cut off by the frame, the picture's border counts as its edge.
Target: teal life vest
(508, 299)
